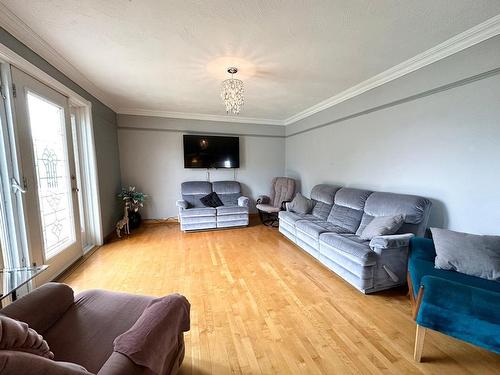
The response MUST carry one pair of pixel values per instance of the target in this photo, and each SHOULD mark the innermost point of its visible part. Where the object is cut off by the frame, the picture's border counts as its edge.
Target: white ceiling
(157, 55)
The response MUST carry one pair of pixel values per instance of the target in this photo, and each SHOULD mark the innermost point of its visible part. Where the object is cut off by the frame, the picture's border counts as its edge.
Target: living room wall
(105, 134)
(434, 132)
(152, 159)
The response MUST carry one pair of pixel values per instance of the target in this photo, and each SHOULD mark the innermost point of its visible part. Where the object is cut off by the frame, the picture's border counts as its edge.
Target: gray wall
(151, 158)
(435, 132)
(105, 134)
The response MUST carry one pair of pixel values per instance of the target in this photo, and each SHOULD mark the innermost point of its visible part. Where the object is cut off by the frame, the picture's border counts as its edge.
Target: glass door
(48, 166)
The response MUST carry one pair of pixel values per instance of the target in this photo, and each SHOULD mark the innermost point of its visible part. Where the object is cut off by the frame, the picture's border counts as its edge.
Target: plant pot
(134, 220)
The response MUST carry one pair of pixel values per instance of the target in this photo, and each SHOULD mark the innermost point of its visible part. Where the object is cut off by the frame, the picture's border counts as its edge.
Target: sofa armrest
(181, 203)
(118, 364)
(263, 199)
(394, 241)
(42, 307)
(243, 201)
(18, 362)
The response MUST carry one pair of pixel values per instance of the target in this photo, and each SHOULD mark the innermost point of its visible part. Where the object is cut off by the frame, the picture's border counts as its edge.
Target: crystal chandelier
(232, 93)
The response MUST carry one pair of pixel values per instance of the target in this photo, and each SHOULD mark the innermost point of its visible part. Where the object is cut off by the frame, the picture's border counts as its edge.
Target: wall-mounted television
(202, 151)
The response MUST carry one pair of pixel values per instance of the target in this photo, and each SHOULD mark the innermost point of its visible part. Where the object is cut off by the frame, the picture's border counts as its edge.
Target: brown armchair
(82, 330)
(282, 191)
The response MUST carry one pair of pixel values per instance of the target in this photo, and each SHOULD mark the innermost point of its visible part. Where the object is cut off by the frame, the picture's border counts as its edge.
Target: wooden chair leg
(419, 343)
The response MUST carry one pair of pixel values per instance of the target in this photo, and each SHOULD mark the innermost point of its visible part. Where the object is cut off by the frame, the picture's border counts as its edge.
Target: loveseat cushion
(349, 245)
(348, 207)
(192, 191)
(85, 333)
(196, 212)
(232, 210)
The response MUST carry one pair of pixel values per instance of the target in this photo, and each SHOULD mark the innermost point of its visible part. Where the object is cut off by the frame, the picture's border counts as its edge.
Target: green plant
(133, 199)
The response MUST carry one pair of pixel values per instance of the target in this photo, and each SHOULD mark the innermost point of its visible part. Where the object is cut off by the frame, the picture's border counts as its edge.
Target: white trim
(464, 40)
(198, 116)
(468, 38)
(21, 31)
(19, 62)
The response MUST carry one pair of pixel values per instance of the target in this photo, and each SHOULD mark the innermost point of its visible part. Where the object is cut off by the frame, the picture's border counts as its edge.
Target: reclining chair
(282, 191)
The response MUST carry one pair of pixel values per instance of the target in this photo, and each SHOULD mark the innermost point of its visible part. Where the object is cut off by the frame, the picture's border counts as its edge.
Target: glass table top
(14, 278)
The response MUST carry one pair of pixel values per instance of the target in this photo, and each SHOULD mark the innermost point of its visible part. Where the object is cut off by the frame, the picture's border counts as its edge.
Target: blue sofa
(458, 305)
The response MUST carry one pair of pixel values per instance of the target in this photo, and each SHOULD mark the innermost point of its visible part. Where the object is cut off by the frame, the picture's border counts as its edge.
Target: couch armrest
(394, 241)
(181, 203)
(243, 201)
(118, 364)
(263, 199)
(42, 307)
(18, 362)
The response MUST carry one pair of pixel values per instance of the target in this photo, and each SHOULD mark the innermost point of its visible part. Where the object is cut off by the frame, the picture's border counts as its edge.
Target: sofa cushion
(292, 217)
(324, 193)
(348, 208)
(232, 210)
(211, 200)
(350, 245)
(301, 204)
(226, 187)
(314, 229)
(382, 226)
(466, 253)
(85, 333)
(321, 210)
(195, 212)
(415, 210)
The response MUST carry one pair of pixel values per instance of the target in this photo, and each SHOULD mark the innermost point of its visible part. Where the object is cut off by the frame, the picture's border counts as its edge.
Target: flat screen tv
(201, 151)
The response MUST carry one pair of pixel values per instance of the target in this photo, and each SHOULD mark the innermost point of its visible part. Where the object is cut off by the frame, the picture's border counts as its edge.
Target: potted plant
(134, 200)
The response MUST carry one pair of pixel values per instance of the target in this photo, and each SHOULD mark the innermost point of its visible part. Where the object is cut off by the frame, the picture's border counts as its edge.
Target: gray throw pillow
(301, 204)
(471, 254)
(382, 226)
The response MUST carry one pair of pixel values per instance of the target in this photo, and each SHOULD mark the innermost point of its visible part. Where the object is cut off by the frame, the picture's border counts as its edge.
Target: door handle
(15, 185)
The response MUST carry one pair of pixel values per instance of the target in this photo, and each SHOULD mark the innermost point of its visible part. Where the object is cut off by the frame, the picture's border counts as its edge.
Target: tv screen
(202, 151)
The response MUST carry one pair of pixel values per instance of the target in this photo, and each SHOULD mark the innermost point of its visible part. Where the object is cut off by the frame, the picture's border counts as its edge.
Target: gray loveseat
(330, 233)
(194, 215)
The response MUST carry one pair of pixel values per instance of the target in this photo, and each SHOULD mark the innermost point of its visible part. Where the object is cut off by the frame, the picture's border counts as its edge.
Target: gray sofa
(193, 215)
(330, 233)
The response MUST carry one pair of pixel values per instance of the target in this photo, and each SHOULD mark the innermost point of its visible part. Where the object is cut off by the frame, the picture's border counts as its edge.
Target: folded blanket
(15, 335)
(155, 336)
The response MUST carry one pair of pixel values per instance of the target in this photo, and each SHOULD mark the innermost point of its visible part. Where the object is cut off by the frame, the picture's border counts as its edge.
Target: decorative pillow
(382, 226)
(471, 254)
(301, 204)
(211, 200)
(15, 335)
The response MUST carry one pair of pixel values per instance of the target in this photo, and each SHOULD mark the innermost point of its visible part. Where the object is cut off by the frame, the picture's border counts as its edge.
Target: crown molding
(198, 116)
(459, 42)
(477, 34)
(21, 31)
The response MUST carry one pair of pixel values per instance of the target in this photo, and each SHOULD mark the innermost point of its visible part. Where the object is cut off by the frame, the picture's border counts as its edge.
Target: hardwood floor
(260, 305)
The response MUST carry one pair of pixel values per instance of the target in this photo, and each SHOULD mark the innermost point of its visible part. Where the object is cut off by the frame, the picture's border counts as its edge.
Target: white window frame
(86, 134)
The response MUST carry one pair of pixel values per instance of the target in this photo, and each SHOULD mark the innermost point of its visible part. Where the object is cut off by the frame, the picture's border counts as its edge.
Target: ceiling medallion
(232, 93)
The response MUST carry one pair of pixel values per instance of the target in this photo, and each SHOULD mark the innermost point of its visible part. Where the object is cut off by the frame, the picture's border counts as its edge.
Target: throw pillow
(301, 204)
(382, 226)
(211, 200)
(471, 254)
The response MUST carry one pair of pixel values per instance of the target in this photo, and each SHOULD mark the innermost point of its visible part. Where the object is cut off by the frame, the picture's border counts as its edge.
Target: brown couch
(82, 329)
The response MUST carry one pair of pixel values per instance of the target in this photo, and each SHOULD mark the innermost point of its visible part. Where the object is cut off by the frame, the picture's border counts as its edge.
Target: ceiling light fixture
(232, 93)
